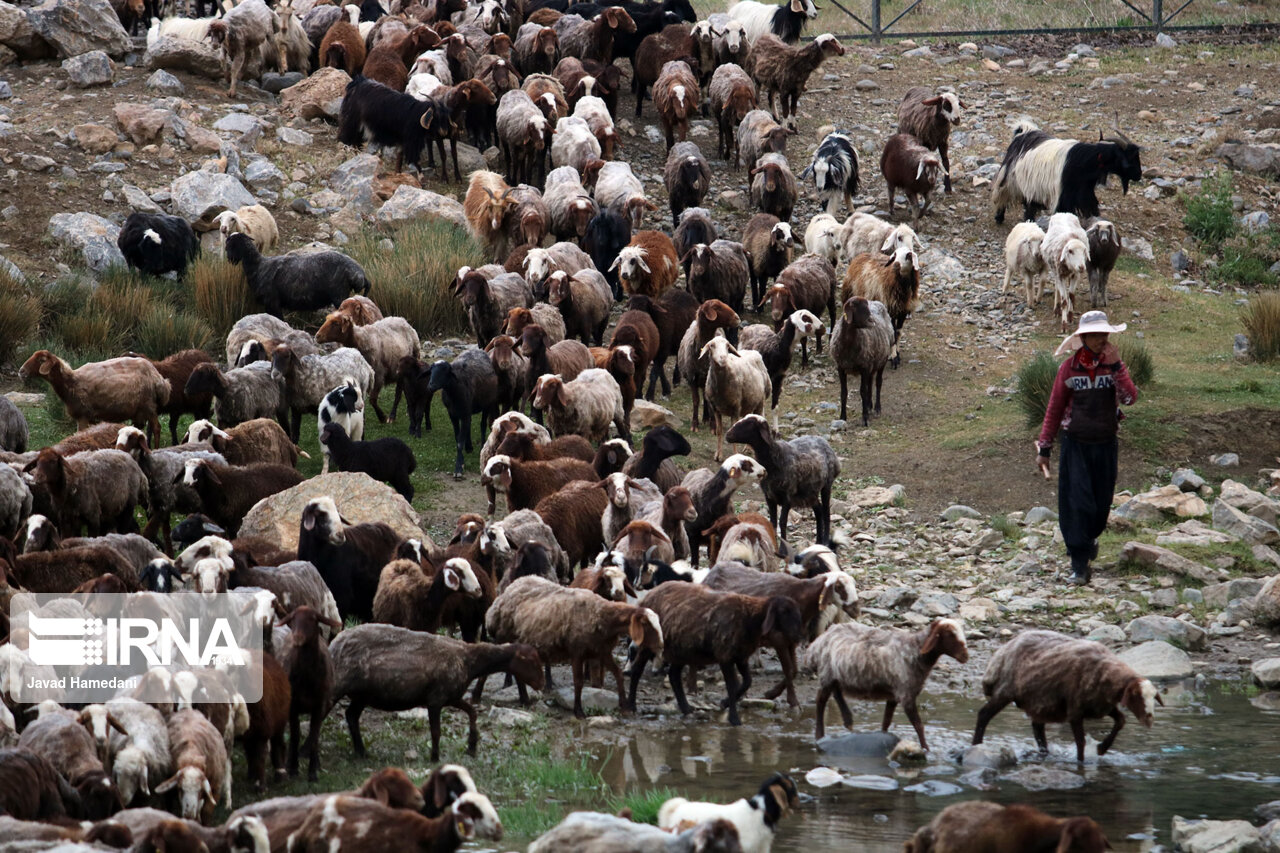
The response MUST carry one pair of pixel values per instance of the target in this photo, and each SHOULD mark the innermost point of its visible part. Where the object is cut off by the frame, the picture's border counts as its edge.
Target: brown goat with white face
(911, 167)
(929, 118)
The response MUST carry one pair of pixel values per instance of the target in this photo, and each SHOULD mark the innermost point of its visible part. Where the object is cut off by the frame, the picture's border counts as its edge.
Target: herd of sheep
(602, 538)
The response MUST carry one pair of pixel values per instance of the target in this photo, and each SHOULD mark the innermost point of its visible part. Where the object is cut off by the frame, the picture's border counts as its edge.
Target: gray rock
(1187, 480)
(10, 269)
(592, 698)
(1163, 559)
(1225, 460)
(1158, 661)
(1138, 247)
(936, 604)
(93, 237)
(1264, 158)
(358, 496)
(997, 51)
(934, 788)
(36, 162)
(1215, 836)
(859, 744)
(470, 159)
(1240, 346)
(1163, 598)
(74, 27)
(1165, 40)
(17, 35)
(893, 598)
(164, 82)
(1249, 528)
(1266, 672)
(1037, 777)
(987, 755)
(139, 200)
(942, 264)
(1265, 606)
(1255, 221)
(277, 83)
(6, 91)
(1190, 595)
(1038, 514)
(867, 85)
(1181, 634)
(293, 136)
(237, 123)
(197, 192)
(353, 180)
(260, 173)
(1269, 836)
(1107, 634)
(958, 511)
(1268, 811)
(178, 54)
(921, 51)
(410, 204)
(94, 68)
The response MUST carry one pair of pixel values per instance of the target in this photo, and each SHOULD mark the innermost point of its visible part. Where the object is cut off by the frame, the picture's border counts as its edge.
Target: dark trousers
(1086, 484)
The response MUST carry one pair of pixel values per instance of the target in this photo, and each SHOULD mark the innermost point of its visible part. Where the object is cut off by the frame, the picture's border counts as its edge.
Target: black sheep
(607, 235)
(386, 459)
(371, 10)
(298, 281)
(468, 386)
(348, 556)
(415, 376)
(194, 528)
(391, 119)
(157, 243)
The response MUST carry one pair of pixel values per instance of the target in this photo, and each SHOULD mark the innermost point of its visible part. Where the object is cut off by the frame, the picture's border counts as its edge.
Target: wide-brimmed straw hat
(1090, 321)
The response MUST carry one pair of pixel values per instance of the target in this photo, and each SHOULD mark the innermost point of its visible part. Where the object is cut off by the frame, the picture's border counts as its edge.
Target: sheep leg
(844, 395)
(478, 689)
(637, 670)
(444, 162)
(674, 672)
(575, 666)
(820, 727)
(914, 716)
(377, 410)
(473, 730)
(1077, 732)
(731, 693)
(777, 389)
(295, 733)
(946, 167)
(237, 65)
(786, 513)
(822, 517)
(693, 389)
(845, 714)
(453, 151)
(277, 756)
(804, 352)
(864, 393)
(1116, 715)
(985, 715)
(458, 443)
(255, 750)
(879, 382)
(786, 657)
(433, 714)
(395, 400)
(608, 661)
(353, 727)
(1042, 743)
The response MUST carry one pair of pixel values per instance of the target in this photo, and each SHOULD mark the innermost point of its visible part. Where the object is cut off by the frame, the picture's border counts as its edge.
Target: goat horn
(507, 192)
(1119, 133)
(490, 192)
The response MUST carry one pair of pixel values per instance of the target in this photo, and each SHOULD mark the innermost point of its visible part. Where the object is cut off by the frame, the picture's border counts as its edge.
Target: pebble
(867, 85)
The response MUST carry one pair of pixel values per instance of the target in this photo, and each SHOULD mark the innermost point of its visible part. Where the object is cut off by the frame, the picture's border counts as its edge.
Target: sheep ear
(644, 266)
(1159, 701)
(167, 785)
(451, 578)
(208, 792)
(636, 631)
(931, 642)
(770, 618)
(115, 724)
(614, 265)
(562, 395)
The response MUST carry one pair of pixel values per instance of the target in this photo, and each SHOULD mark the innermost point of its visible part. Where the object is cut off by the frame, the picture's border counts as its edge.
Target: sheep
(373, 111)
(342, 46)
(260, 440)
(32, 788)
(824, 236)
(566, 359)
(1060, 175)
(154, 829)
(468, 385)
(692, 365)
(1065, 249)
(861, 343)
(769, 243)
(583, 300)
(737, 384)
(499, 77)
(96, 489)
(595, 113)
(619, 191)
(163, 468)
(894, 281)
(1104, 248)
(65, 569)
(13, 427)
(141, 749)
(702, 627)
(537, 49)
(653, 462)
(568, 202)
(593, 39)
(573, 625)
(711, 490)
(670, 515)
(486, 204)
(746, 538)
(759, 134)
(590, 832)
(70, 749)
(731, 95)
(242, 394)
(394, 669)
(292, 46)
(527, 483)
(1054, 678)
(527, 220)
(203, 769)
(411, 598)
(607, 235)
(834, 169)
(1022, 260)
(344, 821)
(785, 20)
(488, 302)
(928, 118)
(344, 405)
(869, 234)
(719, 271)
(573, 144)
(117, 389)
(37, 835)
(626, 496)
(672, 315)
(522, 133)
(261, 329)
(687, 177)
(227, 492)
(15, 502)
(773, 186)
(755, 819)
(240, 33)
(907, 165)
(301, 281)
(785, 69)
(585, 406)
(524, 447)
(889, 664)
(176, 369)
(977, 825)
(308, 379)
(386, 459)
(809, 283)
(388, 62)
(637, 331)
(648, 264)
(383, 344)
(540, 263)
(156, 243)
(573, 513)
(675, 97)
(348, 556)
(501, 540)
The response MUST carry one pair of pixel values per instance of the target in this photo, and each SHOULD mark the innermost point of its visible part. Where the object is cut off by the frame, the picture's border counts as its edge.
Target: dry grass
(221, 293)
(20, 311)
(1261, 320)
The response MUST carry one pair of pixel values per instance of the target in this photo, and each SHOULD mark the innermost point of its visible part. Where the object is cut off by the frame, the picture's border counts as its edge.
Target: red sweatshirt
(1085, 394)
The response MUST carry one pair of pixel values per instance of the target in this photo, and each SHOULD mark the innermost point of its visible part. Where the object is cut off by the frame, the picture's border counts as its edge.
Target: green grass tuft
(20, 311)
(1007, 528)
(644, 805)
(162, 332)
(221, 293)
(1209, 215)
(1261, 321)
(1035, 385)
(1136, 356)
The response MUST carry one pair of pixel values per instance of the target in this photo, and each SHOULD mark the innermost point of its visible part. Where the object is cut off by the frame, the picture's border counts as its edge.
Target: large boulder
(1249, 528)
(1158, 661)
(359, 497)
(1249, 501)
(1215, 836)
(410, 204)
(142, 124)
(17, 35)
(1158, 503)
(197, 192)
(318, 96)
(353, 181)
(1162, 559)
(1184, 635)
(1263, 159)
(73, 27)
(93, 237)
(1266, 672)
(177, 54)
(1266, 604)
(94, 68)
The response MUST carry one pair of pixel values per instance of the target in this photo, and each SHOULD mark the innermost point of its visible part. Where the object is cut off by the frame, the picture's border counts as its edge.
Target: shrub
(19, 315)
(1261, 321)
(1035, 385)
(162, 332)
(221, 293)
(1210, 217)
(411, 278)
(1136, 356)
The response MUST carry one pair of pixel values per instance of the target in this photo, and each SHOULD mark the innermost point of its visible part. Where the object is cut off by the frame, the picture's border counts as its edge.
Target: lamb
(626, 497)
(342, 46)
(394, 669)
(861, 343)
(348, 556)
(306, 659)
(13, 427)
(590, 832)
(889, 664)
(773, 187)
(309, 378)
(527, 483)
(522, 133)
(1054, 678)
(607, 235)
(784, 21)
(227, 492)
(809, 283)
(240, 33)
(866, 233)
(755, 819)
(719, 271)
(929, 117)
(485, 206)
(156, 243)
(636, 331)
(675, 97)
(500, 541)
(298, 281)
(537, 49)
(825, 237)
(570, 206)
(1104, 249)
(1022, 260)
(785, 69)
(411, 598)
(154, 829)
(703, 627)
(565, 359)
(540, 263)
(692, 365)
(242, 394)
(834, 169)
(383, 344)
(730, 45)
(260, 440)
(387, 459)
(70, 749)
(573, 625)
(759, 134)
(574, 145)
(292, 45)
(117, 389)
(907, 165)
(687, 177)
(581, 78)
(593, 39)
(469, 386)
(673, 42)
(387, 63)
(712, 492)
(97, 489)
(737, 384)
(770, 244)
(1065, 249)
(141, 749)
(203, 769)
(746, 538)
(653, 462)
(978, 825)
(648, 265)
(894, 281)
(619, 191)
(731, 96)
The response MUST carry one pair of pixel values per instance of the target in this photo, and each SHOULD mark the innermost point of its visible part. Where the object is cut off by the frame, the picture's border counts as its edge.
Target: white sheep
(384, 344)
(585, 406)
(570, 205)
(253, 220)
(539, 264)
(825, 236)
(1065, 249)
(619, 190)
(142, 752)
(1023, 261)
(737, 384)
(595, 113)
(783, 20)
(865, 233)
(433, 62)
(755, 818)
(573, 144)
(423, 85)
(189, 29)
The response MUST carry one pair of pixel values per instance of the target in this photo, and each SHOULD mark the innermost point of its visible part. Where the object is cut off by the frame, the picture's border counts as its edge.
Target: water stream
(1211, 753)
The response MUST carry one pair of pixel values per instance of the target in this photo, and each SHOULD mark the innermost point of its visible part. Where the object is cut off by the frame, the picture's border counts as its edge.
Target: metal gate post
(875, 21)
(1157, 14)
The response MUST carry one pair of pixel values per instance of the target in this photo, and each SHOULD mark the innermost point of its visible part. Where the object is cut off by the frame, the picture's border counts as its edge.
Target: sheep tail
(840, 539)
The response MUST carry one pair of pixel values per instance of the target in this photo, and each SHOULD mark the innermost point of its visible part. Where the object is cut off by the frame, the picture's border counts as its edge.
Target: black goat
(468, 386)
(649, 18)
(157, 243)
(415, 376)
(607, 235)
(393, 119)
(298, 281)
(348, 556)
(834, 170)
(194, 528)
(387, 459)
(1060, 175)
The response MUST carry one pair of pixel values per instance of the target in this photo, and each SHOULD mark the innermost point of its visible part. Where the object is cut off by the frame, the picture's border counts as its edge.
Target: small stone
(293, 136)
(958, 511)
(1165, 40)
(997, 51)
(1159, 661)
(859, 744)
(1250, 528)
(1038, 514)
(866, 85)
(93, 237)
(277, 83)
(162, 81)
(1187, 480)
(237, 123)
(6, 91)
(1214, 836)
(1037, 777)
(1266, 672)
(1240, 346)
(94, 68)
(1106, 634)
(988, 755)
(1184, 635)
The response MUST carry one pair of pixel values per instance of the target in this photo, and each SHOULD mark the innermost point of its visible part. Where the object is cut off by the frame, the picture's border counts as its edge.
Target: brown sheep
(732, 95)
(992, 828)
(784, 69)
(342, 47)
(176, 369)
(648, 264)
(117, 389)
(676, 98)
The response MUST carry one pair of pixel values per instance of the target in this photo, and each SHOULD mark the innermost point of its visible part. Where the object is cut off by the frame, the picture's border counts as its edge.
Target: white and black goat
(834, 170)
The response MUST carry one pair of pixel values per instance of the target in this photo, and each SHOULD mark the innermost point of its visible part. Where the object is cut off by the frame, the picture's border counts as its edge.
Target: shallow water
(1210, 754)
